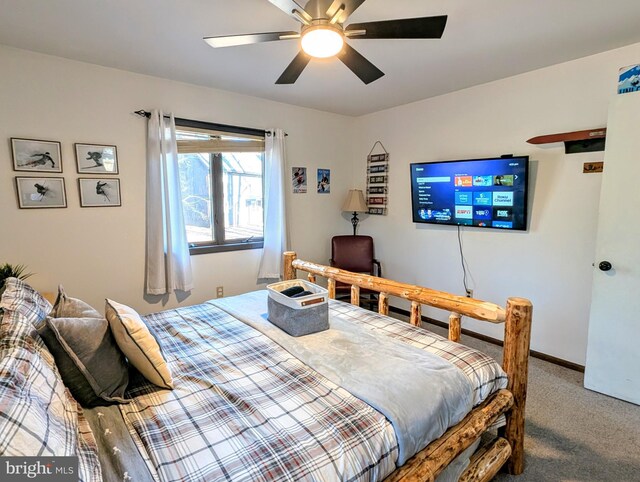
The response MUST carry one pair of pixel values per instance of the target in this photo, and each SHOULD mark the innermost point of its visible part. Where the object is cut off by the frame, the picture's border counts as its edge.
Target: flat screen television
(486, 193)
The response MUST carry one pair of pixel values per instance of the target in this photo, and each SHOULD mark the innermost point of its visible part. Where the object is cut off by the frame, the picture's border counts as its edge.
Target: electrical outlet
(219, 292)
(469, 293)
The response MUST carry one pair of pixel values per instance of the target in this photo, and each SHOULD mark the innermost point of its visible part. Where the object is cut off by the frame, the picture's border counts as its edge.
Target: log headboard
(516, 315)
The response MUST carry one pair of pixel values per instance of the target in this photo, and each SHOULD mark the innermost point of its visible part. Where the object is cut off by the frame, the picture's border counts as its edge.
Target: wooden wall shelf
(591, 140)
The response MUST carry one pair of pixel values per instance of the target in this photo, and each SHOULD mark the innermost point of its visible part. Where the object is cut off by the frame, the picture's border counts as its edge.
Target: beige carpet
(572, 434)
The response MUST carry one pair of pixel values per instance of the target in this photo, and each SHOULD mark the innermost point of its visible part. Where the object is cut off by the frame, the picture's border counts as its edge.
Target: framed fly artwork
(36, 156)
(99, 192)
(96, 159)
(41, 192)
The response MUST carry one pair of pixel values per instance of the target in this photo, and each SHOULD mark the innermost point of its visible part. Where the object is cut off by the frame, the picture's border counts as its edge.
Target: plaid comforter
(245, 409)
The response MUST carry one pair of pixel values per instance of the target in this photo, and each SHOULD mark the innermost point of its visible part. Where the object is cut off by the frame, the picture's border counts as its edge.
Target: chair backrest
(353, 253)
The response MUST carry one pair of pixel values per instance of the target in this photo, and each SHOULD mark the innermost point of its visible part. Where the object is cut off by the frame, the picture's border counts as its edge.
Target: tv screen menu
(490, 193)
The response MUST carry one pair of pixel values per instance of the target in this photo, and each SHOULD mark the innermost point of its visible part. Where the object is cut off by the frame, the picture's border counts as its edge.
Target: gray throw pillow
(91, 365)
(67, 307)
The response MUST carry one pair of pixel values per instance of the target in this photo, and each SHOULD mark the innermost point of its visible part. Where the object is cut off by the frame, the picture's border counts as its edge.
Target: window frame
(217, 192)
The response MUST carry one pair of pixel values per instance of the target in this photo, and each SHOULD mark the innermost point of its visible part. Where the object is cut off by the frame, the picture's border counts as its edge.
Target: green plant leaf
(13, 271)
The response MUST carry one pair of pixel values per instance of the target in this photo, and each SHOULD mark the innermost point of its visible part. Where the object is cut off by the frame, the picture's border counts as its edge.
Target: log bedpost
(311, 277)
(455, 327)
(416, 314)
(355, 295)
(383, 304)
(331, 286)
(289, 271)
(517, 336)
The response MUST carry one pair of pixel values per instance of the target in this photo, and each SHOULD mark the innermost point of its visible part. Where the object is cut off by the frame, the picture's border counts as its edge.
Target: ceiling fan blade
(424, 27)
(293, 9)
(365, 70)
(350, 6)
(250, 38)
(294, 69)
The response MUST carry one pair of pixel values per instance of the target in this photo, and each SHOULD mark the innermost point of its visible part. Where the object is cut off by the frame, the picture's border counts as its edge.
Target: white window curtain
(275, 222)
(168, 259)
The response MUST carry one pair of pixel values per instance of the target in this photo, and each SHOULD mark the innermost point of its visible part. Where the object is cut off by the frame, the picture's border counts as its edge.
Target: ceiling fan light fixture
(322, 41)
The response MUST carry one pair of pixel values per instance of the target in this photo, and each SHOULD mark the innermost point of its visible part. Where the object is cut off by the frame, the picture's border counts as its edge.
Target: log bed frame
(505, 450)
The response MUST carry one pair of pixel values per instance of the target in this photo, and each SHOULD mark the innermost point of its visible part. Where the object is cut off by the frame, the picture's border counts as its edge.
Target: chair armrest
(379, 271)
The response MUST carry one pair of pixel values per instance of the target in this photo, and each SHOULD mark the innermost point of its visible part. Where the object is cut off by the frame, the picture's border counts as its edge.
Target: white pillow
(138, 344)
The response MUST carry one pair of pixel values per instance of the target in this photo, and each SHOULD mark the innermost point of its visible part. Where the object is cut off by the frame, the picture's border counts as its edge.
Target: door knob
(605, 266)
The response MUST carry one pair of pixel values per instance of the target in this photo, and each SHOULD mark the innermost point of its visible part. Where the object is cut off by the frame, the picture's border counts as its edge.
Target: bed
(249, 403)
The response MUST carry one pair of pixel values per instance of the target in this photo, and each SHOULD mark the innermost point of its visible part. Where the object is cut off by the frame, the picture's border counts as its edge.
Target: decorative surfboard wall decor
(378, 181)
(591, 140)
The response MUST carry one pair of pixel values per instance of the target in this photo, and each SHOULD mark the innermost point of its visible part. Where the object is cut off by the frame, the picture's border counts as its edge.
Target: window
(221, 178)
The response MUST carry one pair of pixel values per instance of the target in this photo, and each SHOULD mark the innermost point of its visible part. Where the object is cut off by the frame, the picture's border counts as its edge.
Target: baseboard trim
(494, 341)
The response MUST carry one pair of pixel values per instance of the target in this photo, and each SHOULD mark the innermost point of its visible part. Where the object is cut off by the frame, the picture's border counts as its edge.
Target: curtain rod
(212, 125)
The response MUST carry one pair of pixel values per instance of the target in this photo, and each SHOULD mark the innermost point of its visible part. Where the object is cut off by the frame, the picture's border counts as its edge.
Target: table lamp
(355, 203)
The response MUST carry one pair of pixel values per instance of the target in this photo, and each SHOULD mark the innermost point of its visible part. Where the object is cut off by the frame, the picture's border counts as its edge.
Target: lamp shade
(355, 202)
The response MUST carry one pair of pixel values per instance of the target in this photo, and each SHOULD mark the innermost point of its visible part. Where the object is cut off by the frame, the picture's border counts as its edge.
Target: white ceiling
(484, 40)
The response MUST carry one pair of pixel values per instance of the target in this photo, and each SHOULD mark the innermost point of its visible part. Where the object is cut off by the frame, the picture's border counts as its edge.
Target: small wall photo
(95, 192)
(324, 181)
(41, 192)
(35, 155)
(299, 180)
(96, 159)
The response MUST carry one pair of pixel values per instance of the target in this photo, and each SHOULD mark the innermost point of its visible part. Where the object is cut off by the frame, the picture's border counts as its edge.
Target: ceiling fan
(323, 35)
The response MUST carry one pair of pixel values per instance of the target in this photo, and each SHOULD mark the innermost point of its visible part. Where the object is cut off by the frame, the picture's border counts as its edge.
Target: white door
(613, 348)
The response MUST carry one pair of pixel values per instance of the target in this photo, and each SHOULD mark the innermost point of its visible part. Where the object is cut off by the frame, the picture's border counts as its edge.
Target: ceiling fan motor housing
(318, 8)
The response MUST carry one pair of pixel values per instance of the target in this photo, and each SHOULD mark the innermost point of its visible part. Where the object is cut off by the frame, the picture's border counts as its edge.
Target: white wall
(99, 252)
(551, 263)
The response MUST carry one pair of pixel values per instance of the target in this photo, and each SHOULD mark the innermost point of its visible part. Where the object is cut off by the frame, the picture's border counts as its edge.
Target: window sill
(220, 248)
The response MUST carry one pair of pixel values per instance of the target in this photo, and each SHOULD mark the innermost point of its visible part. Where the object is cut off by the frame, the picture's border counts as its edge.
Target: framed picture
(96, 192)
(96, 159)
(41, 192)
(299, 180)
(324, 181)
(36, 156)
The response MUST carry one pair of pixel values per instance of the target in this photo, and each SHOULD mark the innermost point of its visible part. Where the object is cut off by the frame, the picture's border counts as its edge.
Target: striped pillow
(138, 344)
